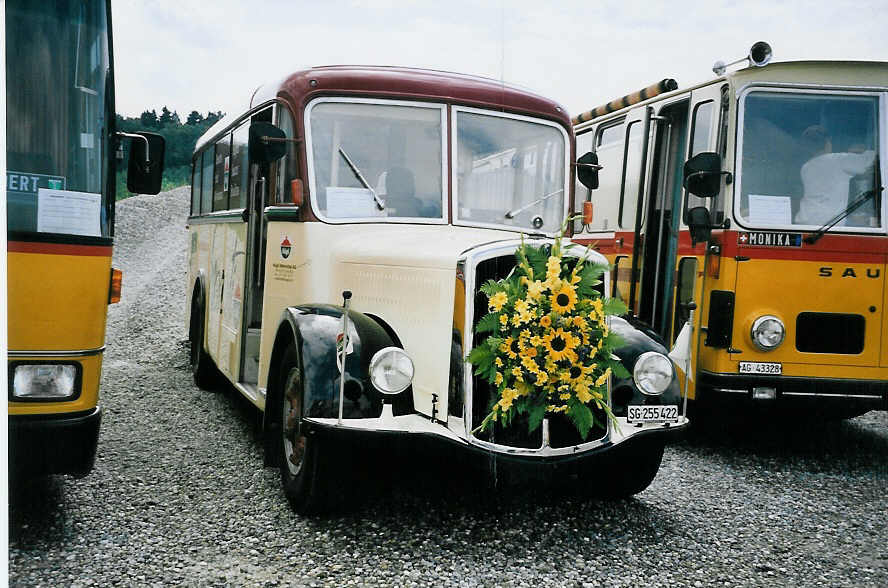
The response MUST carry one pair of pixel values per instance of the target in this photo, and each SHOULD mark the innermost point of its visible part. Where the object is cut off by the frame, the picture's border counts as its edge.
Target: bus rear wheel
(306, 464)
(202, 368)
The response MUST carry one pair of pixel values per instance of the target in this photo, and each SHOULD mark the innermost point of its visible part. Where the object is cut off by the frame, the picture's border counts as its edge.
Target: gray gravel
(179, 494)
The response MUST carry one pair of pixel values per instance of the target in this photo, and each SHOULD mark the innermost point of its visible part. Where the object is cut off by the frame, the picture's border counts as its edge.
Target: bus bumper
(54, 444)
(826, 395)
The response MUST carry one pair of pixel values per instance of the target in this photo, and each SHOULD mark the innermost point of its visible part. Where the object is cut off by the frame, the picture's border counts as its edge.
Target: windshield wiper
(380, 204)
(511, 214)
(857, 203)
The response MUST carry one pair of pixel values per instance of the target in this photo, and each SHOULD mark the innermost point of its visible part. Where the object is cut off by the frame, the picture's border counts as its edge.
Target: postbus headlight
(652, 373)
(44, 381)
(768, 332)
(391, 370)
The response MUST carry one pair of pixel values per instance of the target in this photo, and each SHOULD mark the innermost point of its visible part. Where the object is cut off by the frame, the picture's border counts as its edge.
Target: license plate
(664, 413)
(761, 367)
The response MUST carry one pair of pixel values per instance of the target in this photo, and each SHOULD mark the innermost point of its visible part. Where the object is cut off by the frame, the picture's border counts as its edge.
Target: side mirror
(699, 224)
(145, 171)
(267, 142)
(587, 170)
(702, 174)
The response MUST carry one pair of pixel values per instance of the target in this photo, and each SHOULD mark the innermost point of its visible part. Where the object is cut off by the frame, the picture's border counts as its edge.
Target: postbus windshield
(806, 157)
(509, 171)
(57, 62)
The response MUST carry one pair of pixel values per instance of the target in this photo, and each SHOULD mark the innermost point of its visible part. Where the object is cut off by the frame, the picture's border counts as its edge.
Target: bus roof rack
(661, 87)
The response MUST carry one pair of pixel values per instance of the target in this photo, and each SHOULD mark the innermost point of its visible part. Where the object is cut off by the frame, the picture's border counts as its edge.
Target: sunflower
(497, 301)
(510, 347)
(564, 299)
(559, 344)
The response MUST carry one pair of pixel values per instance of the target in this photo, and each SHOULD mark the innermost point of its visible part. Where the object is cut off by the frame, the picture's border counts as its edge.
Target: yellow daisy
(546, 322)
(497, 301)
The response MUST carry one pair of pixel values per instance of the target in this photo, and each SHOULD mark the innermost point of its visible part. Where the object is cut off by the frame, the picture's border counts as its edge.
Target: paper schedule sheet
(68, 212)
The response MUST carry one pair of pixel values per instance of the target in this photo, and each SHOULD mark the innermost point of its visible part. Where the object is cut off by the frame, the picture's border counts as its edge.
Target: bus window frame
(692, 134)
(225, 201)
(624, 177)
(882, 142)
(196, 170)
(313, 189)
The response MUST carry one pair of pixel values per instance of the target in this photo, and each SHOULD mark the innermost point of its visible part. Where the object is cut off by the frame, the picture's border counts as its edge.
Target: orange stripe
(58, 248)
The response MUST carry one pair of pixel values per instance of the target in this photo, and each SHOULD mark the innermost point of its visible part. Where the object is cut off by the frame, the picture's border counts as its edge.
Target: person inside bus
(398, 188)
(826, 178)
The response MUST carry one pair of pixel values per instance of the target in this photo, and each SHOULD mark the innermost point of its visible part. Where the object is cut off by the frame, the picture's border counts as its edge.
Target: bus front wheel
(306, 464)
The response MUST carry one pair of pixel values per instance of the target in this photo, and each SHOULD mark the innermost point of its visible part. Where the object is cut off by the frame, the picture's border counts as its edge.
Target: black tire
(202, 367)
(308, 468)
(627, 471)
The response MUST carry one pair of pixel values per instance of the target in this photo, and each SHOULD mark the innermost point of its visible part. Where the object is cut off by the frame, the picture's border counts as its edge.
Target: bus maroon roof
(417, 84)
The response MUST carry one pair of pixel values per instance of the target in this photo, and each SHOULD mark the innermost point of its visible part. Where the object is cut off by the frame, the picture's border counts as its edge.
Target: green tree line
(180, 140)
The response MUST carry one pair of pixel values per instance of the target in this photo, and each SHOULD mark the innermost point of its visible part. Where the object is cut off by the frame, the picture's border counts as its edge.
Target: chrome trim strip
(60, 354)
(731, 390)
(822, 395)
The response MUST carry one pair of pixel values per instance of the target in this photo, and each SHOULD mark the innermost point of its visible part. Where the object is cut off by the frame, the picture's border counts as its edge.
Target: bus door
(660, 223)
(258, 186)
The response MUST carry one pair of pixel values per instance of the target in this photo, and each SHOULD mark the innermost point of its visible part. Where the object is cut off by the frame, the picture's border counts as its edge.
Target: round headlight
(768, 332)
(652, 373)
(391, 370)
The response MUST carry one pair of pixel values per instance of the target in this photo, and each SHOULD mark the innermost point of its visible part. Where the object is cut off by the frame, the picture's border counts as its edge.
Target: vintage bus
(403, 190)
(750, 208)
(61, 150)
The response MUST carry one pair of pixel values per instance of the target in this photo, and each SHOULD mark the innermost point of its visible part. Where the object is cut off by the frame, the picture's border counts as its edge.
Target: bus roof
(399, 83)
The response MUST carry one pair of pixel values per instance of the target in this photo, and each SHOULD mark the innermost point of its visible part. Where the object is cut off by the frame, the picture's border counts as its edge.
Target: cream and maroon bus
(395, 193)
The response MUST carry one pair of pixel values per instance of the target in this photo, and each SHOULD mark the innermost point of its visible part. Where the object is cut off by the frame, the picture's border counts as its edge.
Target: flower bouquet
(549, 349)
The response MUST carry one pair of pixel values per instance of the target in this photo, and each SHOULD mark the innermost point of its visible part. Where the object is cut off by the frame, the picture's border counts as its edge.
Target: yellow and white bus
(398, 193)
(60, 177)
(751, 208)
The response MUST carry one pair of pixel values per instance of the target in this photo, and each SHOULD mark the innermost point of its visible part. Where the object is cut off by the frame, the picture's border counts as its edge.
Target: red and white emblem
(286, 247)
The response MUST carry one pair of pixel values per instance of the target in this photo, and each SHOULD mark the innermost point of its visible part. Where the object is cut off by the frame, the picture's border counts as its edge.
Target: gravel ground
(179, 494)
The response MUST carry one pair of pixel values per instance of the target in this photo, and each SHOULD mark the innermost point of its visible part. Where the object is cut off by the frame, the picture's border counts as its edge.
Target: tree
(168, 118)
(195, 118)
(149, 119)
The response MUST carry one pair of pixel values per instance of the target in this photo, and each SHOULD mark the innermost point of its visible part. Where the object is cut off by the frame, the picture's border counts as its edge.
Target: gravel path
(179, 494)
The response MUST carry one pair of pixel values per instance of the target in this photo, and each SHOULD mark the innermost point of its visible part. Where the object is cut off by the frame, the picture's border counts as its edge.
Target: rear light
(713, 262)
(588, 213)
(116, 286)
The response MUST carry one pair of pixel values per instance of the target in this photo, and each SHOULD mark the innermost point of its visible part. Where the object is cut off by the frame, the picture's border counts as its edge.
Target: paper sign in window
(68, 212)
(770, 210)
(351, 203)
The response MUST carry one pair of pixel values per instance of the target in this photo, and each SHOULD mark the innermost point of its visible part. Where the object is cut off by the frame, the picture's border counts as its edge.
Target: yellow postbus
(349, 216)
(61, 148)
(745, 218)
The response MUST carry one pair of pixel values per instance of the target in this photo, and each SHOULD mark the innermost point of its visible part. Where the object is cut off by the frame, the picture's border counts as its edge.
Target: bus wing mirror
(267, 142)
(702, 174)
(145, 172)
(699, 224)
(587, 170)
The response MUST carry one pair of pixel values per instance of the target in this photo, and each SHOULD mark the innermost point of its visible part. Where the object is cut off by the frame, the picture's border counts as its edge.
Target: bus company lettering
(849, 272)
(770, 239)
(26, 183)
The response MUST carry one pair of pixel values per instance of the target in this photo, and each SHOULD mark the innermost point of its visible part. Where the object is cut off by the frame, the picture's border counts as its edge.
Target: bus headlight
(768, 332)
(652, 373)
(44, 381)
(391, 370)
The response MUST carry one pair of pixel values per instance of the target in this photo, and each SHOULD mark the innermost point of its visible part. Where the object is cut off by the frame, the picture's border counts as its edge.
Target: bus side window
(240, 166)
(701, 129)
(222, 173)
(195, 186)
(684, 289)
(206, 181)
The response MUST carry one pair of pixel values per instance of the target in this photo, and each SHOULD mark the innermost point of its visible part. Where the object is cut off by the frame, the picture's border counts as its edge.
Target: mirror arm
(266, 139)
(592, 166)
(729, 179)
(135, 136)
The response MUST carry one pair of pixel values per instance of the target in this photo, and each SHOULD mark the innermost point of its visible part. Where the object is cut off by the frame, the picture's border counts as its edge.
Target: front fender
(315, 328)
(636, 342)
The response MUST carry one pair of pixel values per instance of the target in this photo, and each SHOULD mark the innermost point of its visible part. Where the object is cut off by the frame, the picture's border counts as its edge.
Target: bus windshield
(509, 171)
(805, 157)
(377, 160)
(57, 62)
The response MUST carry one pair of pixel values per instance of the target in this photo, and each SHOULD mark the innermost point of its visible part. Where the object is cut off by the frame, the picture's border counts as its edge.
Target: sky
(201, 55)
